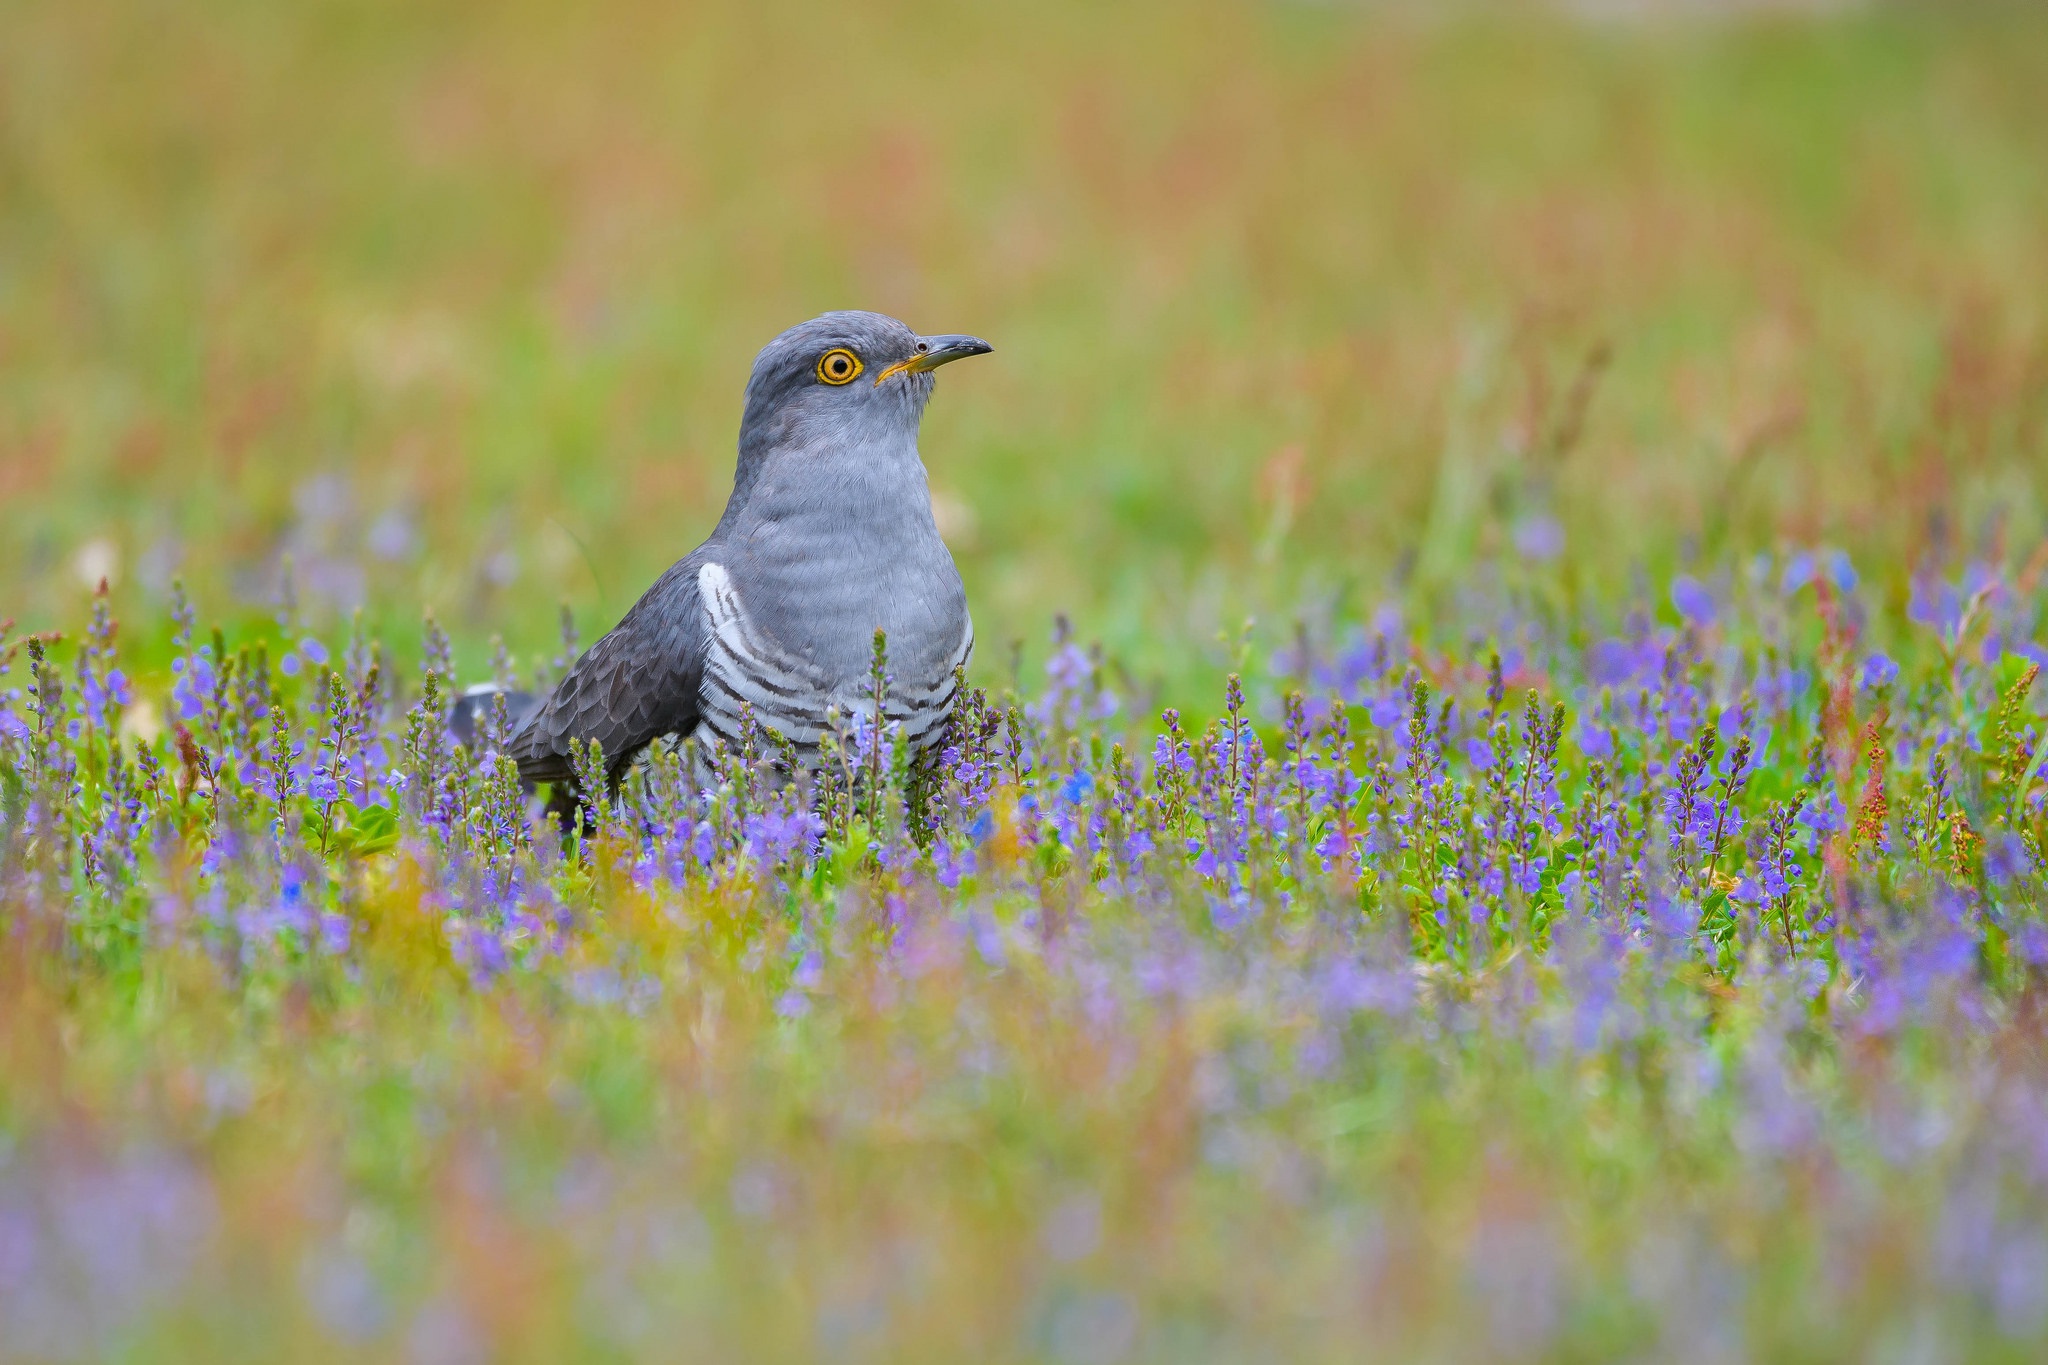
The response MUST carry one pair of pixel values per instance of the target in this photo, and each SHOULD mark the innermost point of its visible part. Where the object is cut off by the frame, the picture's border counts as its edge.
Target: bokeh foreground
(1689, 359)
(1676, 993)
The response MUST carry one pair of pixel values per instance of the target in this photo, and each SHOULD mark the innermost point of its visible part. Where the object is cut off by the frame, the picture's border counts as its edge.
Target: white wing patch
(744, 667)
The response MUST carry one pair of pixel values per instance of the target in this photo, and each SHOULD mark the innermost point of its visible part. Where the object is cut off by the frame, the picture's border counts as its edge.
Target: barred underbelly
(805, 717)
(746, 672)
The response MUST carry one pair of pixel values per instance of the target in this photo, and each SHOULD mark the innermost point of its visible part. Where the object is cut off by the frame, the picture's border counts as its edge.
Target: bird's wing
(748, 670)
(629, 689)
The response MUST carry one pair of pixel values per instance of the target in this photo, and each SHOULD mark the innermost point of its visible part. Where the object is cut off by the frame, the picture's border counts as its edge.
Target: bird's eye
(839, 366)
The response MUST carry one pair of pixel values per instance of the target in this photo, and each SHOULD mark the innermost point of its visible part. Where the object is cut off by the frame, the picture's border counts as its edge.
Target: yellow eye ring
(839, 366)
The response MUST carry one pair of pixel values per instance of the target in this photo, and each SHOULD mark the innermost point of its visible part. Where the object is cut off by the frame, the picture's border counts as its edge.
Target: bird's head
(845, 379)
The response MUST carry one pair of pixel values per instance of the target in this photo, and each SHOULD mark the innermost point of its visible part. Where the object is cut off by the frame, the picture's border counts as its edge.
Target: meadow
(1503, 810)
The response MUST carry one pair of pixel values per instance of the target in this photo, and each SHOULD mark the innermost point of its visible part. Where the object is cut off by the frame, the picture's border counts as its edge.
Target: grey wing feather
(629, 689)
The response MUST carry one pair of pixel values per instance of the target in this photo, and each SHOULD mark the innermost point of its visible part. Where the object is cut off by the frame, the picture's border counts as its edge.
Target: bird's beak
(933, 352)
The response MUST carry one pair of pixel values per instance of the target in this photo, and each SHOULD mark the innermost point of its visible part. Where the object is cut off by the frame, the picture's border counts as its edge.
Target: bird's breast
(824, 565)
(800, 665)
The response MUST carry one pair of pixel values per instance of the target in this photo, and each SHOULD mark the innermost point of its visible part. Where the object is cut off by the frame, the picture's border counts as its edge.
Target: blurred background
(1298, 307)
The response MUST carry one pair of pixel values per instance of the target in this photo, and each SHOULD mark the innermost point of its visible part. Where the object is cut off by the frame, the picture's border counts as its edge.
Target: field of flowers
(1529, 843)
(1675, 993)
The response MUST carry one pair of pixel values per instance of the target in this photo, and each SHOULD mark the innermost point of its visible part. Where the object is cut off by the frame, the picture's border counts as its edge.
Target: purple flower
(1825, 815)
(1349, 987)
(1693, 600)
(803, 981)
(1937, 606)
(1613, 662)
(2005, 859)
(192, 687)
(777, 835)
(1842, 572)
(335, 933)
(1539, 538)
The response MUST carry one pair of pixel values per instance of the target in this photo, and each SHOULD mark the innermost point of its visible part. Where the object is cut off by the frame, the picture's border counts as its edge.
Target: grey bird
(827, 537)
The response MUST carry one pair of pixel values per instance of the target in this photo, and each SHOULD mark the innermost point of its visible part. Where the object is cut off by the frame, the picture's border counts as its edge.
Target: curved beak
(933, 352)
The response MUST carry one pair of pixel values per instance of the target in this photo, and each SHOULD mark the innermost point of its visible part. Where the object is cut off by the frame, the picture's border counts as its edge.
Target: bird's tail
(476, 714)
(477, 719)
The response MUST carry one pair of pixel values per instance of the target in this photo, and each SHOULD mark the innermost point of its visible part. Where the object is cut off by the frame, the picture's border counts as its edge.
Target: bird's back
(637, 684)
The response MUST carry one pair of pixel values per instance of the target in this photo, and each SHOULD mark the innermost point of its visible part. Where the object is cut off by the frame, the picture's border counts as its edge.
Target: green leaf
(374, 829)
(312, 820)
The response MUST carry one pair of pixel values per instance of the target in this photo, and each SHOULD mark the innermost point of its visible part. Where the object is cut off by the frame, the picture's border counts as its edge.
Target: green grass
(1287, 299)
(1301, 310)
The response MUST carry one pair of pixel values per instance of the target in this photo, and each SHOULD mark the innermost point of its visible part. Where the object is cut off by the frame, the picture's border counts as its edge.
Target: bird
(827, 537)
